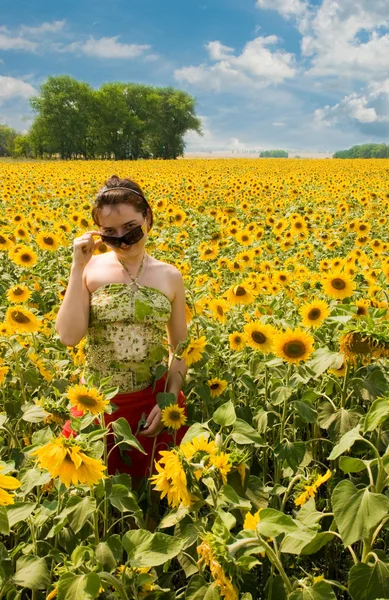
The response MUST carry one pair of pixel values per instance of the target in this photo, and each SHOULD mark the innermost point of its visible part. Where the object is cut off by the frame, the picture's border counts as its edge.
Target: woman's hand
(154, 423)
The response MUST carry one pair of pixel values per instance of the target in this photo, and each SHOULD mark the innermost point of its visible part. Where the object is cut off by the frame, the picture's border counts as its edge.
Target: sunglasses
(131, 237)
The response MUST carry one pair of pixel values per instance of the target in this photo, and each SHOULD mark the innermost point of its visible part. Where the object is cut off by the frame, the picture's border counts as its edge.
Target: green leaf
(346, 441)
(348, 464)
(212, 592)
(164, 399)
(243, 433)
(32, 573)
(378, 413)
(147, 549)
(294, 543)
(122, 429)
(281, 394)
(78, 511)
(273, 522)
(32, 413)
(290, 452)
(196, 588)
(357, 511)
(321, 360)
(78, 587)
(32, 477)
(105, 557)
(196, 430)
(256, 492)
(123, 499)
(319, 591)
(320, 540)
(4, 524)
(229, 495)
(19, 512)
(367, 582)
(306, 412)
(225, 414)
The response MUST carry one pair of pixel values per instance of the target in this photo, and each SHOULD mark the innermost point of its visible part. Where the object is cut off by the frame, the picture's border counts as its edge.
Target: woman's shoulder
(168, 268)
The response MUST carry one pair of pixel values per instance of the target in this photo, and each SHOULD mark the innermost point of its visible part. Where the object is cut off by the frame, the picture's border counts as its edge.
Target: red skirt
(131, 406)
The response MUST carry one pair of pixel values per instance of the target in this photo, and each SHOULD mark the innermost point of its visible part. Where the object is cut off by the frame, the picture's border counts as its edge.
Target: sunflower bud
(218, 440)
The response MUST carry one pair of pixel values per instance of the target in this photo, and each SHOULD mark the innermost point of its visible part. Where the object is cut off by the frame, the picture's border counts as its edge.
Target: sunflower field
(280, 488)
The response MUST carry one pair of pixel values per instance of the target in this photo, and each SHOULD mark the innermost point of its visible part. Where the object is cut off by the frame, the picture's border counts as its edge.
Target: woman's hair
(109, 195)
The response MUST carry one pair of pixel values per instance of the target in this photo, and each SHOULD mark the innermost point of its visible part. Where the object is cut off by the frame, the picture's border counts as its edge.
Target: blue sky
(309, 75)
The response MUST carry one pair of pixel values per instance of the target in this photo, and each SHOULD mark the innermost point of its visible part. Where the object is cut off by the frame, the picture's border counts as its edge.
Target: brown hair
(108, 195)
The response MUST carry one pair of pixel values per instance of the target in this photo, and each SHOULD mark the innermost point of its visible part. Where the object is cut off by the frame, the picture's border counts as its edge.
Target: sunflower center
(25, 257)
(2, 239)
(215, 386)
(220, 311)
(86, 400)
(174, 415)
(19, 317)
(240, 291)
(294, 349)
(237, 339)
(361, 311)
(314, 314)
(48, 240)
(338, 283)
(18, 291)
(258, 337)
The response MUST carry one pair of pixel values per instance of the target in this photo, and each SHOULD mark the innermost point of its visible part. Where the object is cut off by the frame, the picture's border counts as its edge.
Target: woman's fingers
(154, 423)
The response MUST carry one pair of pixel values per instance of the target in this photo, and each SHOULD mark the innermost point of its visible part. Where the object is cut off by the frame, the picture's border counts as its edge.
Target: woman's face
(118, 220)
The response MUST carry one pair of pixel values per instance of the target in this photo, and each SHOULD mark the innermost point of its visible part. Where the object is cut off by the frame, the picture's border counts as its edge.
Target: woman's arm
(177, 331)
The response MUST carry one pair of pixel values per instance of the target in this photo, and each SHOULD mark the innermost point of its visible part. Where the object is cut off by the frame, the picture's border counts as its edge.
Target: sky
(309, 75)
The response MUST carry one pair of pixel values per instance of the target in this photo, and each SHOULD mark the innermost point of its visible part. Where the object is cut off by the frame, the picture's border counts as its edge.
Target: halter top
(125, 335)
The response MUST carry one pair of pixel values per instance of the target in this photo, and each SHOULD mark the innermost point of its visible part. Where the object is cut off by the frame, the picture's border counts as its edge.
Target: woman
(123, 302)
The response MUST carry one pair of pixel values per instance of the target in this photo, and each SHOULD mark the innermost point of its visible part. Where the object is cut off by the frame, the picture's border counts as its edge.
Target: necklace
(139, 270)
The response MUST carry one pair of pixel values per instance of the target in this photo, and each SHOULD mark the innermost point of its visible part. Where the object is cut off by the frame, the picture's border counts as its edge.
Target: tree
(7, 140)
(364, 151)
(66, 109)
(22, 146)
(274, 154)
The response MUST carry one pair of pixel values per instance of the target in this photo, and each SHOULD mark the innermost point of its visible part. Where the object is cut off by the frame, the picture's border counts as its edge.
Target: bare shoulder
(168, 269)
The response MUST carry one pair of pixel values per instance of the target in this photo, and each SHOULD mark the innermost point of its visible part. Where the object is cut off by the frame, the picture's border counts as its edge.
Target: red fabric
(67, 431)
(131, 406)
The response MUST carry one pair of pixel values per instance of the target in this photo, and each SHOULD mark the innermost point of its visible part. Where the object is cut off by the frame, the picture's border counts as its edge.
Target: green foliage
(364, 151)
(274, 154)
(119, 120)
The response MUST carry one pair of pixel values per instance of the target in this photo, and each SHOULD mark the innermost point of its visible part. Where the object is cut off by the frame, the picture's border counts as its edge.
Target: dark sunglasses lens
(133, 236)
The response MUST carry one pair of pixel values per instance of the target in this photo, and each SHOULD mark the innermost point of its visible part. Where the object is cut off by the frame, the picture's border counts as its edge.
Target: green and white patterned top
(125, 335)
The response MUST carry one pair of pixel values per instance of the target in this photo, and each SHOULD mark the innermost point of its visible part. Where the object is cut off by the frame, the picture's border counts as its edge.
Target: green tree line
(119, 120)
(274, 154)
(364, 151)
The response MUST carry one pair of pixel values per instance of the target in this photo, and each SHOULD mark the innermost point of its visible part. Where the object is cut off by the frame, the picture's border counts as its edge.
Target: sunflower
(341, 372)
(293, 346)
(217, 386)
(240, 294)
(260, 336)
(21, 320)
(18, 293)
(219, 309)
(90, 400)
(194, 350)
(222, 462)
(171, 479)
(5, 242)
(47, 240)
(198, 448)
(25, 257)
(65, 459)
(209, 253)
(314, 313)
(363, 307)
(244, 238)
(251, 521)
(338, 285)
(237, 341)
(7, 483)
(173, 416)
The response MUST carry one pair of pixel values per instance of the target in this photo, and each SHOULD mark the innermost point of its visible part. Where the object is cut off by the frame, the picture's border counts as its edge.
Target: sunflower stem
(345, 384)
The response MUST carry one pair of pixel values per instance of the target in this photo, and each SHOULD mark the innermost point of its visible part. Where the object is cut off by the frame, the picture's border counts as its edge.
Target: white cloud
(286, 8)
(255, 67)
(368, 110)
(106, 47)
(7, 42)
(347, 38)
(211, 141)
(45, 27)
(11, 87)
